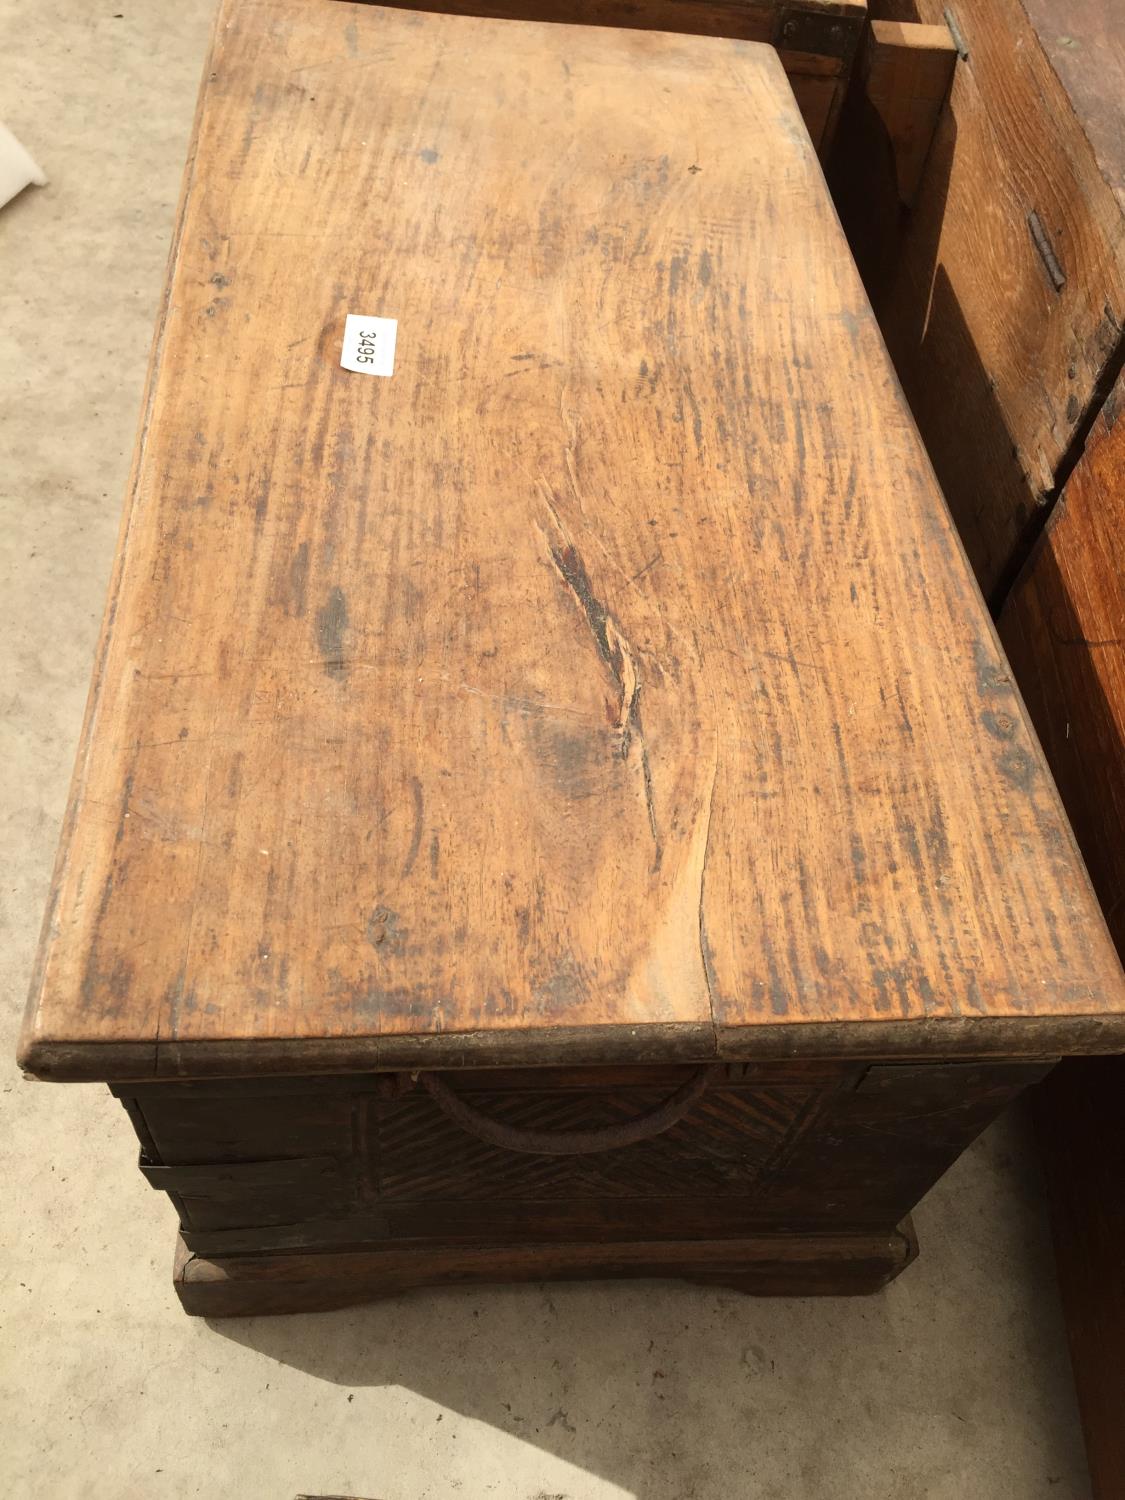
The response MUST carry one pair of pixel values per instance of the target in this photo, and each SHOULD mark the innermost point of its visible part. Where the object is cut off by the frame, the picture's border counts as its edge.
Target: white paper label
(369, 345)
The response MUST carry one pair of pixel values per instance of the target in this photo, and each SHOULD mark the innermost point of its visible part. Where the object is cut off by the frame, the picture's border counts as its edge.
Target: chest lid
(598, 677)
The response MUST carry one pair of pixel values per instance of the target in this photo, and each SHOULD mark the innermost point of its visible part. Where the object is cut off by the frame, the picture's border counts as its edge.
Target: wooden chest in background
(1000, 288)
(1000, 284)
(816, 40)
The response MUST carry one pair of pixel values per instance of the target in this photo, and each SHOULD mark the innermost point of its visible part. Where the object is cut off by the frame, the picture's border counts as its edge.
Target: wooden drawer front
(243, 1194)
(415, 1153)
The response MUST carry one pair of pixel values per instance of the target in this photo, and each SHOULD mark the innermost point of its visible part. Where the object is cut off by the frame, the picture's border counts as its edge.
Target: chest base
(773, 1265)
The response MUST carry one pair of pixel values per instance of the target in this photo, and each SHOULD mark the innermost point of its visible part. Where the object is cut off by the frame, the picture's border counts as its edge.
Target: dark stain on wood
(580, 761)
(383, 930)
(992, 678)
(1000, 726)
(417, 826)
(573, 571)
(331, 629)
(1018, 767)
(298, 581)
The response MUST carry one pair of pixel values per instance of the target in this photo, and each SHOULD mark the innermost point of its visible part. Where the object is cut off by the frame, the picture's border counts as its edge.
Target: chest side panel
(793, 1146)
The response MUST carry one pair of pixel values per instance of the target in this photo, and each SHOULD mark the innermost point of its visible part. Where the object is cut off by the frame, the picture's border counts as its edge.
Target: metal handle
(567, 1142)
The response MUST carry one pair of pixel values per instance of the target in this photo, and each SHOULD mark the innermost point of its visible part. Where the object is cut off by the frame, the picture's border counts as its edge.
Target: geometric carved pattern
(415, 1153)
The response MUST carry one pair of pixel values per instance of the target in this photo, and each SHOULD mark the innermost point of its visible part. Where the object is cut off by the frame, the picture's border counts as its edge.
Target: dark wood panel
(1080, 1119)
(878, 1149)
(779, 1265)
(412, 1151)
(852, 1148)
(547, 1221)
(211, 1196)
(1064, 628)
(187, 1131)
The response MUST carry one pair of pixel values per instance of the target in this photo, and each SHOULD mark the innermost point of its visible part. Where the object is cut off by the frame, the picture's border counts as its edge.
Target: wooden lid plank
(606, 683)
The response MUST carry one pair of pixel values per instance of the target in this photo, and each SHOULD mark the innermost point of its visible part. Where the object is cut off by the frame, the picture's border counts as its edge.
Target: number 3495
(365, 352)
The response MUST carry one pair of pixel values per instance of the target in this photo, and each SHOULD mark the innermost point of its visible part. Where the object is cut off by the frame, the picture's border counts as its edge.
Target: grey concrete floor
(952, 1385)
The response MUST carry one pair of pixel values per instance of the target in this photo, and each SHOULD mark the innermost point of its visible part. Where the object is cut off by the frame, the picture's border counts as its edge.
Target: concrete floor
(952, 1385)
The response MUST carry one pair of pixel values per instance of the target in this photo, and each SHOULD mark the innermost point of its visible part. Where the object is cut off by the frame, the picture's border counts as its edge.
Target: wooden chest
(552, 801)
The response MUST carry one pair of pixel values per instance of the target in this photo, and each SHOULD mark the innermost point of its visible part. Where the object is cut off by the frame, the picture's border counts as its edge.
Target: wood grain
(1085, 43)
(610, 678)
(1004, 367)
(907, 69)
(1064, 628)
(822, 27)
(817, 40)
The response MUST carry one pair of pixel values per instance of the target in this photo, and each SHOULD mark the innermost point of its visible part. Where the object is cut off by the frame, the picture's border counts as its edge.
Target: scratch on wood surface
(704, 946)
(174, 1002)
(570, 449)
(416, 833)
(523, 705)
(652, 562)
(615, 650)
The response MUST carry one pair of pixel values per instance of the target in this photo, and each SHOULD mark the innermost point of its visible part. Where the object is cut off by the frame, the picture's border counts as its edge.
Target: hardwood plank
(606, 685)
(1002, 296)
(816, 40)
(906, 70)
(1085, 43)
(1064, 629)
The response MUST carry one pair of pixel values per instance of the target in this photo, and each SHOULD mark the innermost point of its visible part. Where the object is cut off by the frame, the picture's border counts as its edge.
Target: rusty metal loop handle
(567, 1142)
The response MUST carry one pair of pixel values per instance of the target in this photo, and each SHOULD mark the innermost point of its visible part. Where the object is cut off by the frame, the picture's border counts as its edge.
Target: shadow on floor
(671, 1391)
